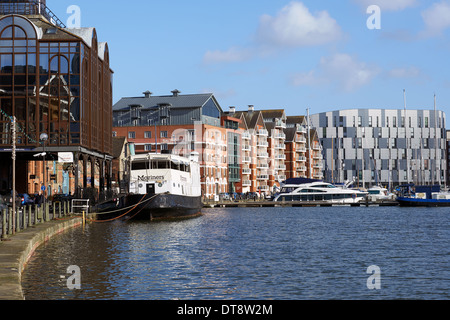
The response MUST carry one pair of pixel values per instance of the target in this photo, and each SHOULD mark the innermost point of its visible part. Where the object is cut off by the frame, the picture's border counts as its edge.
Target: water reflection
(281, 253)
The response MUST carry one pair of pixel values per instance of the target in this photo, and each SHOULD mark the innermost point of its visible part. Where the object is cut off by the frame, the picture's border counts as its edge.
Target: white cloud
(342, 69)
(410, 72)
(293, 26)
(388, 5)
(296, 26)
(436, 19)
(233, 54)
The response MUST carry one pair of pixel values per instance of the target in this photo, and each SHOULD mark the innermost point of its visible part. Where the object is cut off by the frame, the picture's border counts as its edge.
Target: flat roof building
(383, 146)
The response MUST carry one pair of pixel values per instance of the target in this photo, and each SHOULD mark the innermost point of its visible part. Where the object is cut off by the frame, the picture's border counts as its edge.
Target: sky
(321, 55)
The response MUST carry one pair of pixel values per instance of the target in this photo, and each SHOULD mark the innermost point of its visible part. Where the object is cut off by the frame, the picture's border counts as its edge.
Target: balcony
(301, 129)
(280, 124)
(262, 132)
(262, 166)
(280, 147)
(246, 183)
(263, 188)
(301, 169)
(279, 136)
(280, 178)
(301, 159)
(281, 167)
(246, 147)
(300, 139)
(280, 157)
(262, 144)
(300, 150)
(262, 155)
(318, 166)
(247, 171)
(246, 136)
(246, 159)
(262, 177)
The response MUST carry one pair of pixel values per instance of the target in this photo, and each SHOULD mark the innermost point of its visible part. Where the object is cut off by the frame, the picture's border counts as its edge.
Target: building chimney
(251, 108)
(147, 94)
(176, 93)
(232, 110)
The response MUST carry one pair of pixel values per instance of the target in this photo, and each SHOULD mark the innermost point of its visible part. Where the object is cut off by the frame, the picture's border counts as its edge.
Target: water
(252, 253)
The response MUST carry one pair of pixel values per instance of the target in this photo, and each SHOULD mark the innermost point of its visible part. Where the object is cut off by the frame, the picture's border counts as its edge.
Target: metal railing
(30, 7)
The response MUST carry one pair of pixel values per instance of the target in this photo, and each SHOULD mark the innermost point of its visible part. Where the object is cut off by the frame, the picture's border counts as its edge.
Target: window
(148, 147)
(114, 134)
(426, 122)
(163, 134)
(147, 134)
(370, 121)
(164, 146)
(131, 135)
(419, 122)
(394, 122)
(359, 121)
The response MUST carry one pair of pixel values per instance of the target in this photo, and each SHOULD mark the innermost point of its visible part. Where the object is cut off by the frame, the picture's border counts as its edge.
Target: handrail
(30, 7)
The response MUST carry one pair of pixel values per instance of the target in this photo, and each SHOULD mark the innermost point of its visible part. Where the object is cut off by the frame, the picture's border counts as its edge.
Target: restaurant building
(57, 83)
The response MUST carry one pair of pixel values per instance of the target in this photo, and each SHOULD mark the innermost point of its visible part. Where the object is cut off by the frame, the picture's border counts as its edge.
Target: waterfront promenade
(16, 249)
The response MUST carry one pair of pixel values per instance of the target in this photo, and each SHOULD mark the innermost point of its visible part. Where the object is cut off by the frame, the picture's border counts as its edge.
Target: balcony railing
(262, 132)
(30, 8)
(262, 155)
(246, 183)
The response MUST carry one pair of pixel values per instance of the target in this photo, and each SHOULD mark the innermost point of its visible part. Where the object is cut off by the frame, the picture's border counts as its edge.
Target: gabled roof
(179, 101)
(272, 114)
(296, 120)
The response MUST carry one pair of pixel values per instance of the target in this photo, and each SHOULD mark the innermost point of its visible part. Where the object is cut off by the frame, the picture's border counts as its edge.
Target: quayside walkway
(31, 228)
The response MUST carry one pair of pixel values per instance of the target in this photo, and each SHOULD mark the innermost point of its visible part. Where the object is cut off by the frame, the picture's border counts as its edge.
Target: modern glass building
(57, 81)
(378, 146)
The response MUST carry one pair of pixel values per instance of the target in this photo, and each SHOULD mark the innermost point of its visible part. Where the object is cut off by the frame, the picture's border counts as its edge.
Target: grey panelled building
(378, 146)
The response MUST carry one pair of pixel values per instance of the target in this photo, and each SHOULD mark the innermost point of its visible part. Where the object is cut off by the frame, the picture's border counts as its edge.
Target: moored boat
(161, 186)
(309, 190)
(423, 196)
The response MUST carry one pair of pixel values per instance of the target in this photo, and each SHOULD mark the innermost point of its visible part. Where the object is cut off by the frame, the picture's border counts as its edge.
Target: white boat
(161, 186)
(378, 193)
(307, 190)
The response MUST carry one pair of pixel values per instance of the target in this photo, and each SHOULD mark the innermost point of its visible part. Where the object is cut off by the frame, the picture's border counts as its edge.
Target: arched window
(18, 74)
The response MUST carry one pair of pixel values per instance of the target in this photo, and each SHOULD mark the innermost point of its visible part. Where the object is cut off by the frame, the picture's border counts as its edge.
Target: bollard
(10, 232)
(4, 223)
(47, 213)
(17, 219)
(36, 211)
(24, 217)
(29, 216)
(54, 210)
(59, 210)
(38, 214)
(65, 208)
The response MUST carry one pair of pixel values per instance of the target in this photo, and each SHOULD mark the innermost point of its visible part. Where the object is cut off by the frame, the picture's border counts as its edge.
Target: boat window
(141, 165)
(287, 189)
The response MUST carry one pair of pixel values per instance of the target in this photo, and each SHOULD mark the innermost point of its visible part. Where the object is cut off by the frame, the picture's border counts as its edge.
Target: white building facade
(383, 146)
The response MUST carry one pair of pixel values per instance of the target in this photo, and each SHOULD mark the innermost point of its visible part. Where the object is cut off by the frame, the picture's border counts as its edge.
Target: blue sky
(316, 54)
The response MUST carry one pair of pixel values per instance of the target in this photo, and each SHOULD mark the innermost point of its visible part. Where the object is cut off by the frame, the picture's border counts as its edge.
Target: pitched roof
(118, 143)
(180, 101)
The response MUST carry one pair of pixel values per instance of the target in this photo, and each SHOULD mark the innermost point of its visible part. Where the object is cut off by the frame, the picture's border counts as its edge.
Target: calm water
(254, 253)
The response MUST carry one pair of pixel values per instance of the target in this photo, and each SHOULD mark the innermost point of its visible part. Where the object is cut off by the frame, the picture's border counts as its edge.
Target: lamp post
(44, 137)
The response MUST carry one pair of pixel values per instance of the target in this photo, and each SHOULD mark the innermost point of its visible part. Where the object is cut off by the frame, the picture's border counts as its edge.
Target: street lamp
(44, 137)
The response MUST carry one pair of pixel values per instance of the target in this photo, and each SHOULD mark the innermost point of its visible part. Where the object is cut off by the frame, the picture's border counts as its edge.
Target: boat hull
(412, 202)
(152, 207)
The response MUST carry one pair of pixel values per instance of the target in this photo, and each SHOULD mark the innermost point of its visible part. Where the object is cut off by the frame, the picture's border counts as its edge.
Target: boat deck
(260, 204)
